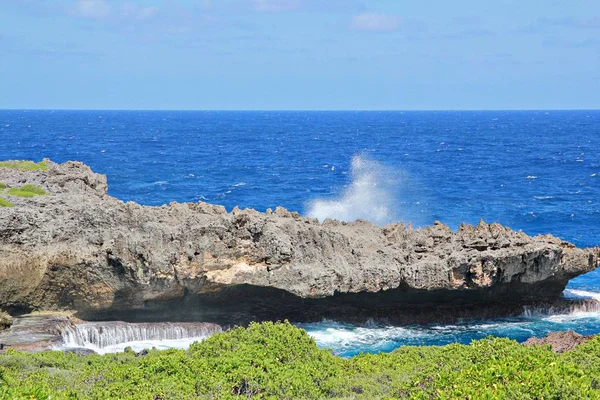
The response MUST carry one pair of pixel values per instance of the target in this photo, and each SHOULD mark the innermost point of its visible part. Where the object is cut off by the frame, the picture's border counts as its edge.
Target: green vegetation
(2, 186)
(19, 193)
(24, 165)
(33, 189)
(5, 203)
(26, 191)
(275, 361)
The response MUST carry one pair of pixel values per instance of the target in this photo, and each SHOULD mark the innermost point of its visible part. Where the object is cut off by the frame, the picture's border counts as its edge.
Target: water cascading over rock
(110, 333)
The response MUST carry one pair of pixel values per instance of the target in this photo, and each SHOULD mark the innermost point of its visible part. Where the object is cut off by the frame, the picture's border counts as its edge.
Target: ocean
(536, 171)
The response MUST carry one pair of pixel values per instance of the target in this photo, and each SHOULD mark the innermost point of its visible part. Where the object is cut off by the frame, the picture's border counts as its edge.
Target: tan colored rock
(5, 320)
(560, 341)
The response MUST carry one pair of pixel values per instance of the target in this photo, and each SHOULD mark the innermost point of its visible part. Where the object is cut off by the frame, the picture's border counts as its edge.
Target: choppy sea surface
(538, 171)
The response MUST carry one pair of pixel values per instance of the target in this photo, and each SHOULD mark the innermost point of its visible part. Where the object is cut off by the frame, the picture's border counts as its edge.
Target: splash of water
(579, 306)
(371, 195)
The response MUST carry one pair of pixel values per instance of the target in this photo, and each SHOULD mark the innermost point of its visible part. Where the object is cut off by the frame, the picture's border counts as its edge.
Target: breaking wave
(347, 340)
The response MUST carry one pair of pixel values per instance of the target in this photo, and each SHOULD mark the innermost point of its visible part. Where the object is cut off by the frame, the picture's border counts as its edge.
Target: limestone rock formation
(36, 332)
(81, 249)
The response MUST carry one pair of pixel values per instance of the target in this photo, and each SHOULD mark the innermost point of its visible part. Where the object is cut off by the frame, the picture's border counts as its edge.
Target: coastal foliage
(26, 191)
(25, 165)
(279, 361)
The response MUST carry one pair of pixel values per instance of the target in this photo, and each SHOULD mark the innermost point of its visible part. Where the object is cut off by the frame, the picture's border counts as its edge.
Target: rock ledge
(78, 248)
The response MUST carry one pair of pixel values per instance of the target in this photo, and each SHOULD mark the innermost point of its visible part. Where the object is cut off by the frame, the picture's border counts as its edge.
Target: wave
(371, 195)
(347, 340)
(581, 294)
(579, 312)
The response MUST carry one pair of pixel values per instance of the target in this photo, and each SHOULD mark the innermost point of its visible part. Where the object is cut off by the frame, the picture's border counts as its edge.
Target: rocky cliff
(76, 247)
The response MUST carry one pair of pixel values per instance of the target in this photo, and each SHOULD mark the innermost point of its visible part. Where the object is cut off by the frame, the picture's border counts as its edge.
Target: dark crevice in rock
(241, 304)
(18, 309)
(116, 264)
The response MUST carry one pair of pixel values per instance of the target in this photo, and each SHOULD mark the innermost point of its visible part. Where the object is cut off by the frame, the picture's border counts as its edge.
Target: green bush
(269, 360)
(275, 361)
(5, 203)
(24, 165)
(2, 186)
(26, 191)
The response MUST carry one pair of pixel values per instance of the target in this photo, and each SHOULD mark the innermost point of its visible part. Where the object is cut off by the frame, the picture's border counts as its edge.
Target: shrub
(268, 360)
(24, 165)
(2, 186)
(277, 360)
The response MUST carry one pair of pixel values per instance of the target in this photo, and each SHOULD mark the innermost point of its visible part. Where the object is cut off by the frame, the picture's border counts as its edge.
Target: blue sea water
(538, 171)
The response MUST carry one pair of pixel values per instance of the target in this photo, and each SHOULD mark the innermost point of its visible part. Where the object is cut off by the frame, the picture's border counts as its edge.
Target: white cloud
(275, 6)
(94, 9)
(102, 9)
(376, 22)
(131, 11)
(291, 6)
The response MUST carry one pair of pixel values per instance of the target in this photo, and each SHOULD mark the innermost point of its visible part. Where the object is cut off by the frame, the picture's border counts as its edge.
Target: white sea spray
(371, 195)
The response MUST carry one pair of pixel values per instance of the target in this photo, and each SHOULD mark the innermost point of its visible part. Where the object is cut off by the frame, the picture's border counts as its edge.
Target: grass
(33, 189)
(19, 193)
(5, 203)
(24, 165)
(26, 191)
(280, 361)
(2, 186)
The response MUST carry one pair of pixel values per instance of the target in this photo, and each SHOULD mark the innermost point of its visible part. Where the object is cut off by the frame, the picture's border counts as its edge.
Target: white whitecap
(137, 346)
(581, 294)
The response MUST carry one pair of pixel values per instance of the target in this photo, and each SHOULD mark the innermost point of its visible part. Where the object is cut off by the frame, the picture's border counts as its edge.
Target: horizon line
(300, 110)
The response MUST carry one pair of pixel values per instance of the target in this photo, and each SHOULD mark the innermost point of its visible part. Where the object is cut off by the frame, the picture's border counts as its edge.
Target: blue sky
(299, 54)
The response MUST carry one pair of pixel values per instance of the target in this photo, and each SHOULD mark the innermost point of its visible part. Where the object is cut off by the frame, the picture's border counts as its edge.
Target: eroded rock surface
(36, 332)
(78, 248)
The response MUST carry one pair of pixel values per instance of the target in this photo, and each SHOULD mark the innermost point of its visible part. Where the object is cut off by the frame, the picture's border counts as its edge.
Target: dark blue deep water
(538, 171)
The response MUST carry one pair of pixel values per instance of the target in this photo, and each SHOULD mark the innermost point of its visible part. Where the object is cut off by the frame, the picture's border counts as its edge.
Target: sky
(300, 54)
